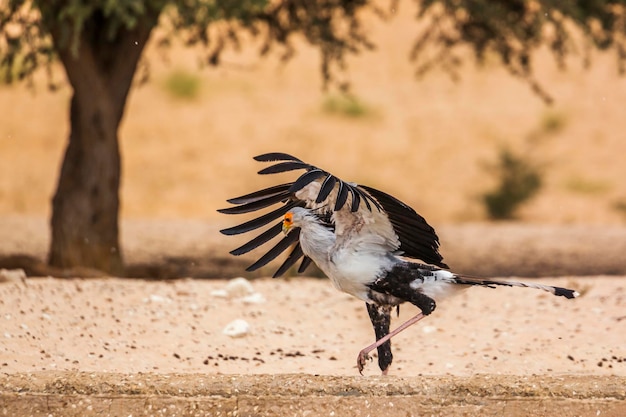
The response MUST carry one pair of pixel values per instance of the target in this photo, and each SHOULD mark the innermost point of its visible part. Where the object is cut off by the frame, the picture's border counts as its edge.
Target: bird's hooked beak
(287, 223)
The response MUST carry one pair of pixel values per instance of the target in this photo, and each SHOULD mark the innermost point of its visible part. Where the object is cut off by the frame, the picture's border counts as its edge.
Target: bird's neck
(317, 242)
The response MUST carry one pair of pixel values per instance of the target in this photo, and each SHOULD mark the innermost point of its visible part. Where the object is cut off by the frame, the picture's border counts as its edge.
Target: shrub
(183, 85)
(518, 181)
(552, 122)
(345, 105)
(620, 207)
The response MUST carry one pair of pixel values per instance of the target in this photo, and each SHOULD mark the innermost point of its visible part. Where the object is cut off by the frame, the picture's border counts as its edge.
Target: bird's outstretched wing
(340, 203)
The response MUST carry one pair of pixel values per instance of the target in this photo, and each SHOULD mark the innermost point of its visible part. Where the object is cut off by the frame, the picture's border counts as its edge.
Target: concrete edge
(87, 394)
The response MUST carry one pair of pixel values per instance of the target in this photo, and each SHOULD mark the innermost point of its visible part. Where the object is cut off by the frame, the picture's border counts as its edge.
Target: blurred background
(464, 153)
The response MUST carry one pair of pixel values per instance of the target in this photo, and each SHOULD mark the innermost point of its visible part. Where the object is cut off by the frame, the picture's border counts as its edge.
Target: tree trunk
(85, 207)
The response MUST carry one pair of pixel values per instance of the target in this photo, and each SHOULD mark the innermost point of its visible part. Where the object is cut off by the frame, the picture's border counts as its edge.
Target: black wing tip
(276, 156)
(231, 231)
(284, 167)
(566, 292)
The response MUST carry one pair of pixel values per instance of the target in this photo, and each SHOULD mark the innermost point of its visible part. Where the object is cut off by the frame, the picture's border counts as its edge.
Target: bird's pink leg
(363, 354)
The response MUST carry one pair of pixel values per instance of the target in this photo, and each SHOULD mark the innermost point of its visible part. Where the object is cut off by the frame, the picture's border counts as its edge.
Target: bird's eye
(288, 218)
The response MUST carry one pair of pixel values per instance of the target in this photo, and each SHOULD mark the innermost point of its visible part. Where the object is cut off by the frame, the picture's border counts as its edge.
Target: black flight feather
(259, 195)
(260, 221)
(275, 156)
(284, 167)
(305, 179)
(266, 236)
(293, 257)
(275, 251)
(417, 238)
(356, 200)
(326, 188)
(342, 196)
(256, 205)
(306, 261)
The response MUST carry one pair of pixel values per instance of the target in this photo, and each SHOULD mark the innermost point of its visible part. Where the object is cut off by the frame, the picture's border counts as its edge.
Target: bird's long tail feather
(559, 291)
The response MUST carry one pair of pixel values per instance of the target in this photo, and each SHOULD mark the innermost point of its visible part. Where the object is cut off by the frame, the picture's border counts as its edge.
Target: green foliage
(518, 181)
(183, 85)
(586, 186)
(344, 105)
(552, 122)
(620, 207)
(513, 31)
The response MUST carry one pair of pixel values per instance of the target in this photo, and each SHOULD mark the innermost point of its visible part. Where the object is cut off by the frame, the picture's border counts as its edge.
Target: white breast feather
(363, 241)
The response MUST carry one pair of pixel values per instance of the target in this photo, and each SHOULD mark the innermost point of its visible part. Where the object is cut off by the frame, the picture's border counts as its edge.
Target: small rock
(219, 293)
(237, 328)
(429, 329)
(239, 287)
(254, 298)
(12, 275)
(154, 298)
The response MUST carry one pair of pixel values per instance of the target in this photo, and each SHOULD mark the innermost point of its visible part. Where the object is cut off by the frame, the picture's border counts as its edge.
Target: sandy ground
(109, 346)
(304, 326)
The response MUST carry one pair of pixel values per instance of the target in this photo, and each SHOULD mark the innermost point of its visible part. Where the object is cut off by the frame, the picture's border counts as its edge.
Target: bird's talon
(361, 361)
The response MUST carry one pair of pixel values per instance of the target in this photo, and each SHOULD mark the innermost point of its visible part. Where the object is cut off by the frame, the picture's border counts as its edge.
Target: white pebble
(12, 275)
(237, 328)
(219, 293)
(429, 329)
(254, 298)
(239, 287)
(154, 298)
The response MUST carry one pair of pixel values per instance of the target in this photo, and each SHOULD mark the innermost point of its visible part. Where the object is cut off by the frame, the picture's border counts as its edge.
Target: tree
(100, 43)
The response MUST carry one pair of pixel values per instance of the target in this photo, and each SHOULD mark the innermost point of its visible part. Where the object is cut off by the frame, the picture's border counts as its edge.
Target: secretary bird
(367, 242)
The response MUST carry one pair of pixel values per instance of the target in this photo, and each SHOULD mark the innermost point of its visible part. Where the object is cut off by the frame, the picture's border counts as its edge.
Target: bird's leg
(380, 317)
(363, 354)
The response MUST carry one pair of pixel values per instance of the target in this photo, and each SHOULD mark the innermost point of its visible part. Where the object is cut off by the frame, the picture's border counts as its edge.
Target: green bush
(345, 105)
(552, 122)
(620, 207)
(183, 85)
(587, 186)
(518, 181)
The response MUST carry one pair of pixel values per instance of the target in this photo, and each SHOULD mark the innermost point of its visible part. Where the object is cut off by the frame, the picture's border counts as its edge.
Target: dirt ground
(107, 345)
(303, 325)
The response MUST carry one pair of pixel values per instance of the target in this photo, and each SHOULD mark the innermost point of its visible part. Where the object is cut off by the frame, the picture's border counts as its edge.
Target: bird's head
(287, 222)
(297, 217)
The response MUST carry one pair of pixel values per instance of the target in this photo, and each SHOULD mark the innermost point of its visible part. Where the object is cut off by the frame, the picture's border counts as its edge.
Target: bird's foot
(361, 360)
